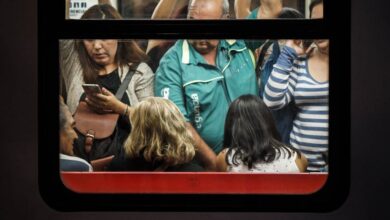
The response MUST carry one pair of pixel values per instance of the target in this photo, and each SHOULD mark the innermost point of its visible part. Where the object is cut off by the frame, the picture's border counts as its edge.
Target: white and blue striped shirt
(290, 80)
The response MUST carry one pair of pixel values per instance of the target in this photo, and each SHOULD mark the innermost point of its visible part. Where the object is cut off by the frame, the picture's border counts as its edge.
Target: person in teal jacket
(203, 90)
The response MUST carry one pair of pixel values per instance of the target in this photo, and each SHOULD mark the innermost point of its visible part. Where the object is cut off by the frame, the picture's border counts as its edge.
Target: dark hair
(127, 52)
(290, 13)
(102, 12)
(250, 133)
(314, 3)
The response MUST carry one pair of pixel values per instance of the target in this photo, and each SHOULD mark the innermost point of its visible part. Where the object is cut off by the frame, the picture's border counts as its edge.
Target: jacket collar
(191, 56)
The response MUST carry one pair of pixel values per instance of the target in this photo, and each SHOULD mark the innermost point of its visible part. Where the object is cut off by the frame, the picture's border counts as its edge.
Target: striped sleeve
(280, 86)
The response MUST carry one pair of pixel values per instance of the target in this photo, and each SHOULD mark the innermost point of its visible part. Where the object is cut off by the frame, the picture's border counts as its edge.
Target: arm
(70, 67)
(281, 84)
(144, 87)
(242, 8)
(168, 84)
(206, 155)
(165, 9)
(221, 161)
(301, 163)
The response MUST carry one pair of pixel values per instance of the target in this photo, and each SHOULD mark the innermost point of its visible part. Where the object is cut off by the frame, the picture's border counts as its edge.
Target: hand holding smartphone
(92, 89)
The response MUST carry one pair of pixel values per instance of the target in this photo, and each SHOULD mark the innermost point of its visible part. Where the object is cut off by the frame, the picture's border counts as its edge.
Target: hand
(105, 102)
(297, 46)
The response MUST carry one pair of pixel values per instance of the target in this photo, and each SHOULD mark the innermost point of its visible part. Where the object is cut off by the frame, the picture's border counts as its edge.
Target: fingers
(98, 101)
(105, 102)
(97, 107)
(106, 92)
(93, 106)
(103, 97)
(92, 103)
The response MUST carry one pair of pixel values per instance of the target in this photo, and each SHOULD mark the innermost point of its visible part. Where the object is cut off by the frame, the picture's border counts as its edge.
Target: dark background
(369, 193)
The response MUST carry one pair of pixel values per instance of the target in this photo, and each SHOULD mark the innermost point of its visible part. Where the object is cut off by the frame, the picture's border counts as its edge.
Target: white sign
(78, 7)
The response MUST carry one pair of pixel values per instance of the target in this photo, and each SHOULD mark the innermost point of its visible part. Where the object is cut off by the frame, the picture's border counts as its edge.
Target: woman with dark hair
(105, 62)
(108, 60)
(253, 143)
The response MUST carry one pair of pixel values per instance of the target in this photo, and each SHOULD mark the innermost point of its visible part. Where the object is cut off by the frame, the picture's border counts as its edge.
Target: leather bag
(91, 126)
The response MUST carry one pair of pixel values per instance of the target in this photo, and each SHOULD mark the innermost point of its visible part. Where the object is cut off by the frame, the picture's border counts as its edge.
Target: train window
(289, 76)
(177, 9)
(143, 104)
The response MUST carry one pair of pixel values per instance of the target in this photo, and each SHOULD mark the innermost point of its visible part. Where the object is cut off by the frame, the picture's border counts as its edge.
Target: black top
(140, 164)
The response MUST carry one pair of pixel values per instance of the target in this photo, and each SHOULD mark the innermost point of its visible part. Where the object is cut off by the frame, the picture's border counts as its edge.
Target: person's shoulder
(176, 48)
(73, 158)
(173, 53)
(71, 163)
(144, 68)
(173, 57)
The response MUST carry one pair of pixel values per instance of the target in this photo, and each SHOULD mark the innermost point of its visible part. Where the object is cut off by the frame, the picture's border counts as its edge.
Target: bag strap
(122, 89)
(260, 60)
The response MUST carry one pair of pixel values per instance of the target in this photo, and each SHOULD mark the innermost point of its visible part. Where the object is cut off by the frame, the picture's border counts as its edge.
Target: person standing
(203, 76)
(302, 77)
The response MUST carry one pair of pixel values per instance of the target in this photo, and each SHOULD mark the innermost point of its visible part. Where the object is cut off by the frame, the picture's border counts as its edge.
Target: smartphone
(91, 89)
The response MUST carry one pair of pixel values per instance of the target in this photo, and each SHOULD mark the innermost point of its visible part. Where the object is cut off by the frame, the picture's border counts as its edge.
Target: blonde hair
(159, 133)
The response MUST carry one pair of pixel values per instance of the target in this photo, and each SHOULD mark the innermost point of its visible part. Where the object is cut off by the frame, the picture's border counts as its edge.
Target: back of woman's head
(250, 131)
(159, 133)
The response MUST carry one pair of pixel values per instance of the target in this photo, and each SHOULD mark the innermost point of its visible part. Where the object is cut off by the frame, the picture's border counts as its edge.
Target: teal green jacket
(203, 92)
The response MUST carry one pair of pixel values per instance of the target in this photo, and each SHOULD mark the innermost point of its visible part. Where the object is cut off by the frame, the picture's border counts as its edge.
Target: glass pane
(239, 106)
(178, 9)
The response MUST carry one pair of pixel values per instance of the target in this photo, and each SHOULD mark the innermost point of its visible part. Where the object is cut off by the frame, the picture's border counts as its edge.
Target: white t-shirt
(281, 164)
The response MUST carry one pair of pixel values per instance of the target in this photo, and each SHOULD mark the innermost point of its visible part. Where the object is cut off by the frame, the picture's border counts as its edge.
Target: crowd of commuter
(195, 104)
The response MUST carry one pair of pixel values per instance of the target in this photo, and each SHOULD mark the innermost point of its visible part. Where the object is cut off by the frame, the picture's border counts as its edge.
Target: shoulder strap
(260, 60)
(125, 83)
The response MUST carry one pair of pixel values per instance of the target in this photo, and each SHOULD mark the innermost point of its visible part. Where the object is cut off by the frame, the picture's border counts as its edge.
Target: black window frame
(53, 26)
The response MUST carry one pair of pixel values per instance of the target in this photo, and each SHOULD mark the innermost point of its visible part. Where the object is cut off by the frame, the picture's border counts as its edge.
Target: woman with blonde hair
(159, 140)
